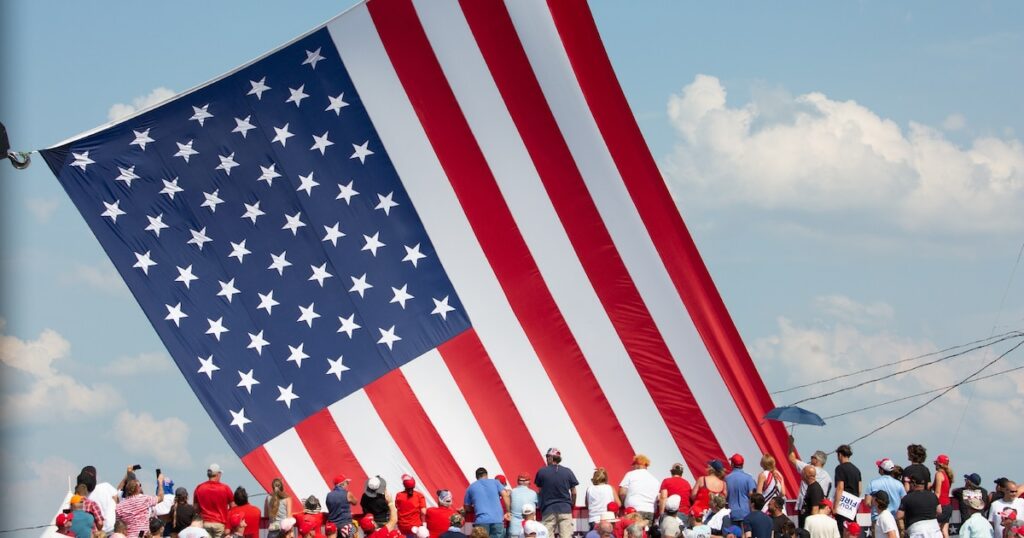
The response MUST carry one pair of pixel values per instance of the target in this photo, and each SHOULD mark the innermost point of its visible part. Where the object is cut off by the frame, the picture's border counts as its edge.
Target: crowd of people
(727, 501)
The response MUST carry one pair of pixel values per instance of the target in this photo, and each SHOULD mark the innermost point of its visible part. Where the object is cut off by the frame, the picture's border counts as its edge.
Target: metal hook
(19, 160)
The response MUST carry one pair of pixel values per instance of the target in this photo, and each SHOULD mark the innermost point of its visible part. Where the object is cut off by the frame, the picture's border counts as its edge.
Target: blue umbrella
(794, 415)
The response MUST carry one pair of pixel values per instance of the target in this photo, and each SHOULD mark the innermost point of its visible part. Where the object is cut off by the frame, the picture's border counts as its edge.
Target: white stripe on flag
(428, 187)
(296, 465)
(521, 187)
(435, 388)
(551, 64)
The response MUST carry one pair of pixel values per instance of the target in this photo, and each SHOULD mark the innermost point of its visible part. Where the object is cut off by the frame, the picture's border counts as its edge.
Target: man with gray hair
(818, 460)
(635, 530)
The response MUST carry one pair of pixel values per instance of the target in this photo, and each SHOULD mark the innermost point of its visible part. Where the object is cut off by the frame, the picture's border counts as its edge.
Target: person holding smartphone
(134, 508)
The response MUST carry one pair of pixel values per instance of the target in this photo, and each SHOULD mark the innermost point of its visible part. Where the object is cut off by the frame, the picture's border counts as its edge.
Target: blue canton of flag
(262, 228)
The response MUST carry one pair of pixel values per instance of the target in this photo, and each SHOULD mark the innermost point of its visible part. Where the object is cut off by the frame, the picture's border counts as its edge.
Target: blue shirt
(760, 525)
(517, 498)
(739, 484)
(555, 483)
(339, 511)
(889, 485)
(484, 496)
(82, 523)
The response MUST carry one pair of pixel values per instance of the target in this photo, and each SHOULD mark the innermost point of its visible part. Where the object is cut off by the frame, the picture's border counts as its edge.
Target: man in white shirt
(818, 460)
(195, 530)
(106, 496)
(1010, 501)
(821, 525)
(639, 488)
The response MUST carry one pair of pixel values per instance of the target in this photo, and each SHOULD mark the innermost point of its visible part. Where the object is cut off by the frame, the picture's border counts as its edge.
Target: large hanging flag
(423, 238)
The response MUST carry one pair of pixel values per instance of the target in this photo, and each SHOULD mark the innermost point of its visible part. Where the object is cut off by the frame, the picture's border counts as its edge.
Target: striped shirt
(135, 512)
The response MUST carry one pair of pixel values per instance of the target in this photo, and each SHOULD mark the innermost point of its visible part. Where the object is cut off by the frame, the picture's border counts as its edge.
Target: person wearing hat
(374, 529)
(212, 499)
(973, 502)
(712, 483)
(534, 529)
(248, 512)
(852, 529)
(885, 481)
(411, 506)
(330, 530)
(818, 460)
(486, 498)
(339, 503)
(639, 488)
(821, 524)
(375, 500)
(557, 494)
(312, 514)
(1009, 501)
(63, 523)
(438, 518)
(670, 524)
(180, 514)
(309, 525)
(739, 485)
(971, 488)
(919, 510)
(520, 496)
(943, 479)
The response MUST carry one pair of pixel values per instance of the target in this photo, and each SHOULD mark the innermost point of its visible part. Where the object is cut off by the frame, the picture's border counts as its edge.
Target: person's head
(819, 458)
(64, 520)
(825, 507)
(942, 465)
(672, 504)
(600, 476)
(717, 502)
(641, 461)
(553, 456)
(180, 496)
(197, 519)
(916, 453)
(341, 481)
(444, 497)
(523, 480)
(330, 529)
(776, 506)
(76, 502)
(132, 487)
(756, 501)
(635, 530)
(881, 500)
(308, 525)
(213, 472)
(311, 505)
(917, 483)
(409, 483)
(973, 499)
(809, 473)
(156, 526)
(82, 489)
(844, 452)
(736, 460)
(532, 528)
(716, 468)
(121, 527)
(972, 480)
(529, 511)
(605, 529)
(676, 470)
(480, 532)
(241, 496)
(1010, 490)
(788, 529)
(768, 462)
(852, 529)
(481, 473)
(368, 525)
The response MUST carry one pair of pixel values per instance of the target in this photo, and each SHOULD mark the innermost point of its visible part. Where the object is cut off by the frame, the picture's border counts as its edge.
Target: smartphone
(142, 533)
(136, 467)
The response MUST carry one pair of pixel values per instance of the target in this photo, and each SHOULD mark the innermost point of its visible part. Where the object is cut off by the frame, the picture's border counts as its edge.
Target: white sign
(848, 505)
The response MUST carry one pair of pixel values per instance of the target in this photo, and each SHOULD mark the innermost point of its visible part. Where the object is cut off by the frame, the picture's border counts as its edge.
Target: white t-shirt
(821, 526)
(598, 498)
(884, 523)
(998, 506)
(641, 490)
(103, 495)
(193, 532)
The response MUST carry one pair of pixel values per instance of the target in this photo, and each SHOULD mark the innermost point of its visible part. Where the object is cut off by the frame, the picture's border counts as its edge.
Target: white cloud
(954, 122)
(166, 441)
(50, 394)
(810, 154)
(42, 208)
(121, 110)
(143, 363)
(101, 277)
(846, 309)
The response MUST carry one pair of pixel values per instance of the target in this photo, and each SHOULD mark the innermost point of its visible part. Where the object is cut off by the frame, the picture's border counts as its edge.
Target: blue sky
(852, 173)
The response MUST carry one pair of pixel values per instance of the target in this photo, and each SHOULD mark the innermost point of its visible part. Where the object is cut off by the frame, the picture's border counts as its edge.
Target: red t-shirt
(409, 506)
(251, 515)
(439, 519)
(383, 532)
(677, 485)
(213, 499)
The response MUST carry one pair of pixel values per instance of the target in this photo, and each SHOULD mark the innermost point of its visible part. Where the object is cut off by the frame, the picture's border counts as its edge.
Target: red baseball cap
(630, 510)
(523, 476)
(367, 524)
(613, 507)
(501, 478)
(234, 520)
(331, 528)
(943, 459)
(736, 460)
(64, 519)
(853, 528)
(826, 502)
(1008, 513)
(340, 479)
(408, 482)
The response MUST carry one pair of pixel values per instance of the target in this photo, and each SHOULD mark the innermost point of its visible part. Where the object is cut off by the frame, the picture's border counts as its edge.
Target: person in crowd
(1012, 526)
(824, 479)
(885, 481)
(882, 505)
(119, 527)
(277, 508)
(603, 529)
(971, 488)
(64, 522)
(90, 506)
(439, 517)
(820, 524)
(769, 480)
(941, 486)
(1009, 501)
(83, 523)
(134, 508)
(534, 529)
(670, 524)
(520, 496)
(739, 485)
(455, 527)
(375, 500)
(916, 470)
(758, 523)
(312, 513)
(813, 496)
(712, 483)
(212, 499)
(675, 484)
(485, 499)
(557, 494)
(309, 525)
(848, 480)
(635, 530)
(696, 529)
(718, 515)
(479, 532)
(639, 488)
(919, 510)
(411, 505)
(787, 529)
(156, 527)
(974, 525)
(330, 530)
(339, 503)
(598, 495)
(629, 517)
(374, 529)
(249, 513)
(180, 515)
(103, 494)
(777, 511)
(852, 529)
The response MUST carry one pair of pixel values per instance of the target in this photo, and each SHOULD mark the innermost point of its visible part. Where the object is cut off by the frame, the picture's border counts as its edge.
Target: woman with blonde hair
(712, 483)
(769, 482)
(278, 508)
(943, 480)
(599, 495)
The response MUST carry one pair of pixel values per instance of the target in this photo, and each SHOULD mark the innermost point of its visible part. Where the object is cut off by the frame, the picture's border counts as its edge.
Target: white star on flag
(388, 337)
(201, 114)
(144, 262)
(361, 152)
(257, 342)
(297, 355)
(82, 160)
(321, 143)
(175, 314)
(212, 199)
(306, 183)
(441, 308)
(297, 95)
(247, 380)
(141, 139)
(185, 276)
(267, 302)
(386, 203)
(333, 233)
(258, 87)
(171, 188)
(312, 57)
(127, 175)
(346, 192)
(239, 251)
(336, 368)
(227, 162)
(287, 395)
(337, 103)
(156, 224)
(348, 325)
(206, 366)
(307, 314)
(113, 210)
(185, 150)
(238, 418)
(242, 126)
(268, 174)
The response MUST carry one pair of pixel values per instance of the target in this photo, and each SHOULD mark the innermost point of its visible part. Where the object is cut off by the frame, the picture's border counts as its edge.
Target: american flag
(425, 237)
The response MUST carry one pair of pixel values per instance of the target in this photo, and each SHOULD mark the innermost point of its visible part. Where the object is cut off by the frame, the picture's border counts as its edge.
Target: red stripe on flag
(657, 209)
(415, 434)
(264, 470)
(463, 162)
(328, 448)
(490, 403)
(509, 66)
